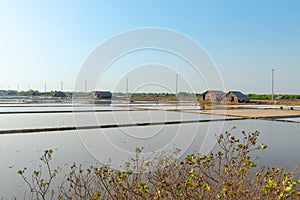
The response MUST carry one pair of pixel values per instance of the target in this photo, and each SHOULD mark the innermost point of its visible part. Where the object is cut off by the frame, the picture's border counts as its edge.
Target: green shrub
(229, 173)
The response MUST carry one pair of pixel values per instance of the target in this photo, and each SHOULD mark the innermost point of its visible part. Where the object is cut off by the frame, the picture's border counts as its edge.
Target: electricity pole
(273, 85)
(127, 87)
(176, 89)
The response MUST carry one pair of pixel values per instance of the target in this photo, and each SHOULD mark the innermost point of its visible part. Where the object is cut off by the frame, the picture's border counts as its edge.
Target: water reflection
(17, 151)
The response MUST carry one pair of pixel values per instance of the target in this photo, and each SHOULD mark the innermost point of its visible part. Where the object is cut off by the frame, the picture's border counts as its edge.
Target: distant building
(280, 98)
(212, 96)
(8, 92)
(32, 93)
(236, 96)
(102, 95)
(59, 94)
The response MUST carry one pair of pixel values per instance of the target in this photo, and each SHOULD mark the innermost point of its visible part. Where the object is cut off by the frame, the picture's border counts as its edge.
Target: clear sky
(48, 41)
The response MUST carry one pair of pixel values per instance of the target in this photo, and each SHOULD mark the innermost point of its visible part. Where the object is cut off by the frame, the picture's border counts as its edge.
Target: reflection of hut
(236, 96)
(59, 94)
(212, 96)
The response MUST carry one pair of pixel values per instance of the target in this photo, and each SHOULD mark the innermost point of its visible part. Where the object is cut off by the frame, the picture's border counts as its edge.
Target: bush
(227, 174)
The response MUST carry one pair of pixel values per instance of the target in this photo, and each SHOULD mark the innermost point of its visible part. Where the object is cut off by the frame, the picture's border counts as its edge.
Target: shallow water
(99, 145)
(44, 120)
(25, 109)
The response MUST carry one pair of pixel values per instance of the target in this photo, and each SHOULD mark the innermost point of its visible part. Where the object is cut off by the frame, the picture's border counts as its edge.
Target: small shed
(59, 94)
(280, 97)
(102, 95)
(236, 96)
(212, 96)
(32, 93)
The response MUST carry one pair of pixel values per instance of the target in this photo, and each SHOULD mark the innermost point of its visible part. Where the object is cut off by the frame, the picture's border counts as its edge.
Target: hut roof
(239, 95)
(216, 92)
(59, 94)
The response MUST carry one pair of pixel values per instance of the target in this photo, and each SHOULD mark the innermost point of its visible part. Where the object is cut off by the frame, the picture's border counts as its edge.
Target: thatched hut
(102, 95)
(59, 94)
(280, 97)
(236, 96)
(212, 96)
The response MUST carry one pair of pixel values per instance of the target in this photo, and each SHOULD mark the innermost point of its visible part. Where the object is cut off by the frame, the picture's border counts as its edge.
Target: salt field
(289, 119)
(45, 120)
(191, 132)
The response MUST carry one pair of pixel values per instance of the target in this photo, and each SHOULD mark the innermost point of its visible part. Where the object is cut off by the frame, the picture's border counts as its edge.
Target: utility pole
(176, 89)
(18, 87)
(61, 86)
(127, 87)
(273, 85)
(45, 87)
(28, 87)
(85, 85)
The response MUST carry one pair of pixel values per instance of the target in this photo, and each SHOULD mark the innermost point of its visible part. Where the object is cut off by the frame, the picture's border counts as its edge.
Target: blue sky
(48, 41)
